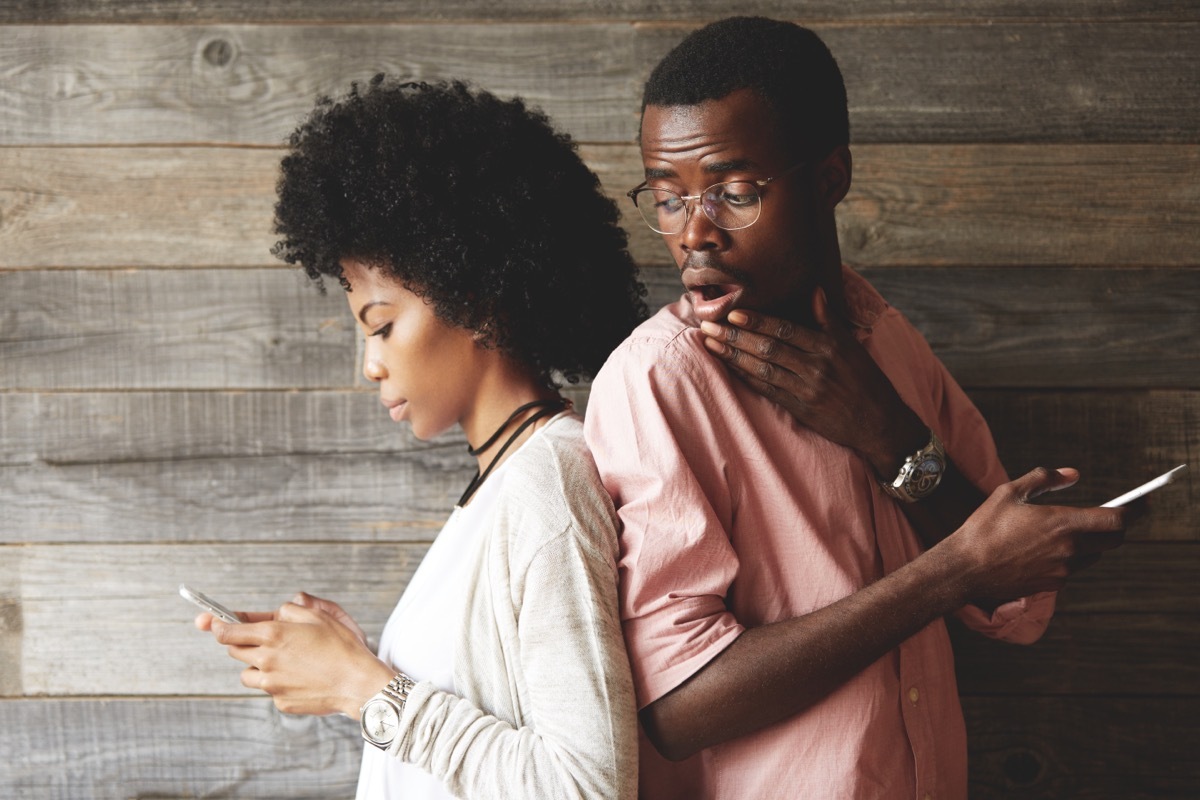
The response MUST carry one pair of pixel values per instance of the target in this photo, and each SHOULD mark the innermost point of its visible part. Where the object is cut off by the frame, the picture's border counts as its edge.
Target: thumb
(827, 318)
(1041, 480)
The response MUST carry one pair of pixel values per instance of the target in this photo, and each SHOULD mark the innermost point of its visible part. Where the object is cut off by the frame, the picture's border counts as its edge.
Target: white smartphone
(1146, 488)
(208, 604)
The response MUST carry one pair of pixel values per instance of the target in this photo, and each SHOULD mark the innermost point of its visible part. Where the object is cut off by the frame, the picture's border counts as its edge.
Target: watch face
(925, 476)
(379, 721)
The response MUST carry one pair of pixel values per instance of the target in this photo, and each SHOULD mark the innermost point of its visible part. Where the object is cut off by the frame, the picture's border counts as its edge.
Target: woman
(482, 263)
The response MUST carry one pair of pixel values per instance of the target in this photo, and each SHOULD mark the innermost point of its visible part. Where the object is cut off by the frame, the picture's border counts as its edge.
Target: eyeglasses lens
(729, 205)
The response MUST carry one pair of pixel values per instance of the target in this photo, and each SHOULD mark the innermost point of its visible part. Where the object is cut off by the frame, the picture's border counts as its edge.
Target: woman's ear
(833, 175)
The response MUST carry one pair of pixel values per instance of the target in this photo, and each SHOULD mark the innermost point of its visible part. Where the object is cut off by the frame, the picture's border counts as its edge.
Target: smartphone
(208, 604)
(1146, 488)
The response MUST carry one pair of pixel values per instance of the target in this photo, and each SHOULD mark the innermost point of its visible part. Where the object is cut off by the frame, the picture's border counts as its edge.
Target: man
(799, 479)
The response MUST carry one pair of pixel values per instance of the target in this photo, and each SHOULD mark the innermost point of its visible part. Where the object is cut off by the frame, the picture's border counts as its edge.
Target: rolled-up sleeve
(653, 428)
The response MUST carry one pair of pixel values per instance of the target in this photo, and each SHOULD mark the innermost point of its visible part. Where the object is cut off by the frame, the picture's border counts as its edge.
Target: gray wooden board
(1116, 748)
(281, 466)
(129, 329)
(1035, 747)
(911, 205)
(367, 497)
(1055, 81)
(118, 748)
(119, 605)
(266, 328)
(96, 599)
(190, 11)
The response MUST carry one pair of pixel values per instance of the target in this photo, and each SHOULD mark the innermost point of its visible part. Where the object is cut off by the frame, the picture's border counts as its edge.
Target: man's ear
(833, 175)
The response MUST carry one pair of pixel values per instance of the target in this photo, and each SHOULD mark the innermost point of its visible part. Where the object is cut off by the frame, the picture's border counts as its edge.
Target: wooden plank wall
(176, 406)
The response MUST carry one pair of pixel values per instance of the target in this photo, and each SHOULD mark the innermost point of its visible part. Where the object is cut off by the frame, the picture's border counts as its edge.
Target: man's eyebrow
(714, 168)
(735, 165)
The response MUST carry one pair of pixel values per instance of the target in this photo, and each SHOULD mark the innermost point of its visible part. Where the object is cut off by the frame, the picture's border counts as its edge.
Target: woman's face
(428, 372)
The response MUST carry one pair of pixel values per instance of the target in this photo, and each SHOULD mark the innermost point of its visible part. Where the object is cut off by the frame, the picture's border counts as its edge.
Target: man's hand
(824, 378)
(1011, 548)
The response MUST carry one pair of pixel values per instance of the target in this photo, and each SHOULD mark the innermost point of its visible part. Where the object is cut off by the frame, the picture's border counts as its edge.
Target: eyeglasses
(732, 205)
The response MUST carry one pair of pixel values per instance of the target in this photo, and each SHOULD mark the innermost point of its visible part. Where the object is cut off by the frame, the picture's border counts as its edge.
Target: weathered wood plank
(66, 597)
(79, 207)
(357, 11)
(113, 749)
(1057, 327)
(990, 205)
(1078, 81)
(1019, 748)
(130, 329)
(251, 84)
(1048, 748)
(160, 329)
(272, 466)
(98, 600)
(1117, 440)
(69, 428)
(1100, 654)
(911, 205)
(1050, 82)
(367, 497)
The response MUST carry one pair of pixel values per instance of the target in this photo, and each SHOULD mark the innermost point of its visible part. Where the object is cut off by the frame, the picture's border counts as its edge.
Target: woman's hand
(310, 656)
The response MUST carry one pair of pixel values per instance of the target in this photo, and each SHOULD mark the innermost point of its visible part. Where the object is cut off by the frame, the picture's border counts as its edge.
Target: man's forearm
(775, 671)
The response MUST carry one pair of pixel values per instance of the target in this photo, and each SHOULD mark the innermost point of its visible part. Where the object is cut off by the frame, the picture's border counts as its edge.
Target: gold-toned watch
(380, 715)
(920, 473)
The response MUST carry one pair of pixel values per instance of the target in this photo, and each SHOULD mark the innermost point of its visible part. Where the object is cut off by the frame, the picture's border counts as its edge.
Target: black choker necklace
(547, 407)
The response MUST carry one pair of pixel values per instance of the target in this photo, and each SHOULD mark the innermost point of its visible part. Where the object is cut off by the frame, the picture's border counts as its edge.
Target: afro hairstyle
(472, 202)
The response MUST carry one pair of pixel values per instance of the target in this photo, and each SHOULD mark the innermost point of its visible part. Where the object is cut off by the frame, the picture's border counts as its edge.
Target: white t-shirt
(420, 636)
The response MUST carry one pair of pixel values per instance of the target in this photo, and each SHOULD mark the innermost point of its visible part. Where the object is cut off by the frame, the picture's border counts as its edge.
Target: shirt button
(914, 695)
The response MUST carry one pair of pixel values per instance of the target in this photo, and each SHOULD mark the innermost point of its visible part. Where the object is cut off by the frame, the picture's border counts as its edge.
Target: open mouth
(712, 301)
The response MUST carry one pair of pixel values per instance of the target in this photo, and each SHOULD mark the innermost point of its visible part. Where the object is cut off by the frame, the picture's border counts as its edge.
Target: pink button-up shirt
(735, 516)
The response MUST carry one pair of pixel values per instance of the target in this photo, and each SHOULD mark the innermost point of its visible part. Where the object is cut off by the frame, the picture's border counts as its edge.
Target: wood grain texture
(98, 599)
(1049, 327)
(911, 205)
(1114, 748)
(129, 329)
(932, 82)
(118, 748)
(143, 467)
(1117, 440)
(1098, 748)
(367, 497)
(249, 84)
(1088, 655)
(990, 205)
(63, 598)
(143, 329)
(295, 11)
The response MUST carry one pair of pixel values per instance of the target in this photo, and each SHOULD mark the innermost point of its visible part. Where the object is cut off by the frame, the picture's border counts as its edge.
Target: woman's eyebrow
(362, 312)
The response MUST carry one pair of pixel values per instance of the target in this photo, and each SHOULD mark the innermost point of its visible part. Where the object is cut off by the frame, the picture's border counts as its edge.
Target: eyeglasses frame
(759, 184)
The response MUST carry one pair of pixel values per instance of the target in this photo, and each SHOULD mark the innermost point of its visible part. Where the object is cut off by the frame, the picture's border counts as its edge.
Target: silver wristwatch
(380, 716)
(920, 473)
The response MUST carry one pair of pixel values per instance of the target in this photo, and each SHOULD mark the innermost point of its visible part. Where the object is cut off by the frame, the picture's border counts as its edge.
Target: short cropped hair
(474, 203)
(787, 65)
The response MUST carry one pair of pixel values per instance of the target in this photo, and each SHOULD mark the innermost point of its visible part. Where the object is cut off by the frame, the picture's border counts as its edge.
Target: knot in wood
(218, 52)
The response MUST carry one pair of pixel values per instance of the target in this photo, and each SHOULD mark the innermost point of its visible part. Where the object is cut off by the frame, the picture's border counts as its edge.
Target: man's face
(775, 264)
